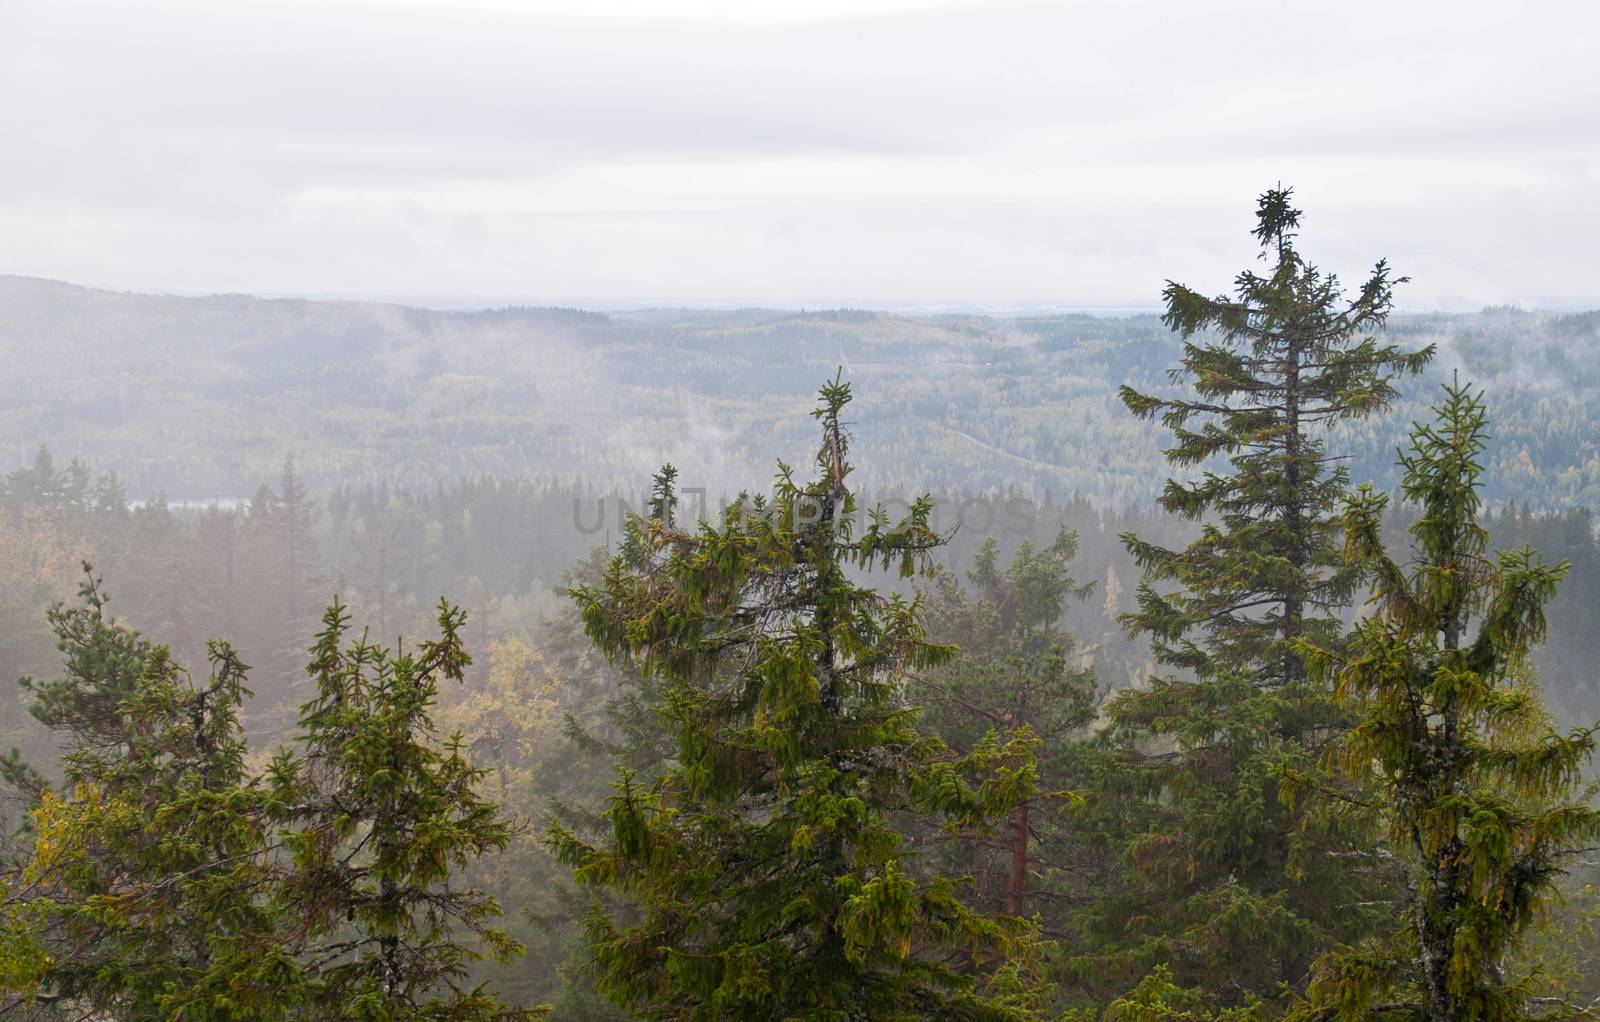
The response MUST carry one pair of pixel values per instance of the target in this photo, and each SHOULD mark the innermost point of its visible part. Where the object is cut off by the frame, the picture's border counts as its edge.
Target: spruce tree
(164, 879)
(762, 876)
(1269, 368)
(1477, 795)
(380, 816)
(1223, 879)
(295, 512)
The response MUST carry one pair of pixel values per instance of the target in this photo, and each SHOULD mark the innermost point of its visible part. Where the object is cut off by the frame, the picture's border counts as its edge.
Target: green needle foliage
(144, 864)
(763, 875)
(103, 664)
(1018, 667)
(166, 880)
(380, 816)
(1269, 367)
(1478, 796)
(1223, 879)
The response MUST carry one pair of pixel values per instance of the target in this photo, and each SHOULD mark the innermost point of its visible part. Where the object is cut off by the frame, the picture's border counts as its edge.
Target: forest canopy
(1225, 665)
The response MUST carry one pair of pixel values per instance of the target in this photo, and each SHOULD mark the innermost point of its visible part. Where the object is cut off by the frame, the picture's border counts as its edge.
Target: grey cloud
(179, 144)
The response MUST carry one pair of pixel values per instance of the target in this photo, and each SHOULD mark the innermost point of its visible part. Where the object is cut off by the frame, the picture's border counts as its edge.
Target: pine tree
(1017, 668)
(762, 876)
(1223, 879)
(1476, 793)
(145, 866)
(291, 517)
(380, 560)
(102, 665)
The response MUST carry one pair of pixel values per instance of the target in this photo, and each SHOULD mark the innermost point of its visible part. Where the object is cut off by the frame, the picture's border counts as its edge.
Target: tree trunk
(1017, 882)
(1293, 608)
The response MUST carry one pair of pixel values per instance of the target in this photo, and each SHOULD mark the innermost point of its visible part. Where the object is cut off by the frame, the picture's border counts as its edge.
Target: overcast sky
(882, 152)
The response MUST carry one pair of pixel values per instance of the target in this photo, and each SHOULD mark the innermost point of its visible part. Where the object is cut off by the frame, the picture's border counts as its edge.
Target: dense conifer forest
(1235, 662)
(201, 398)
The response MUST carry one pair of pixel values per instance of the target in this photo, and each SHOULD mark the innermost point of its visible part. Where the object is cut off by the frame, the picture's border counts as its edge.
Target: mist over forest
(202, 398)
(772, 511)
(197, 469)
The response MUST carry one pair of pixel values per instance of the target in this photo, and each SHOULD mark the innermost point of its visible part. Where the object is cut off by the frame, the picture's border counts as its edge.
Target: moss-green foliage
(1477, 796)
(1224, 879)
(142, 867)
(821, 805)
(763, 874)
(1018, 667)
(165, 878)
(378, 814)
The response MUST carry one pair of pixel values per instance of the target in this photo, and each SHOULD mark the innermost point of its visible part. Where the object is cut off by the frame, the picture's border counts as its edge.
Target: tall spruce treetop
(1223, 877)
(1268, 368)
(764, 873)
(1479, 798)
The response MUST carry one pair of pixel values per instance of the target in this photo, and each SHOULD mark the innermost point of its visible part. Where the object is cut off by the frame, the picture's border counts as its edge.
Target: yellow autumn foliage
(508, 716)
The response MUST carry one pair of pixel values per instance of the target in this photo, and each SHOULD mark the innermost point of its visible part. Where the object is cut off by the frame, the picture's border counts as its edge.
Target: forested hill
(203, 397)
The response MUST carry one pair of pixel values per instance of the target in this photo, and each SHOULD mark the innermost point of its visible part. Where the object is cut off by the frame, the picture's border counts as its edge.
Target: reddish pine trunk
(1016, 883)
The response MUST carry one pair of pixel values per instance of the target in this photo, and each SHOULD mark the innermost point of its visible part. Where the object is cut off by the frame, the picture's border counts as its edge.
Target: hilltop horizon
(200, 396)
(929, 307)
